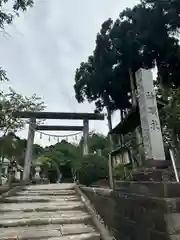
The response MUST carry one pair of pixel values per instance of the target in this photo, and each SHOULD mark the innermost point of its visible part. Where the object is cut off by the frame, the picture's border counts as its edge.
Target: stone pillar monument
(29, 149)
(150, 123)
(85, 136)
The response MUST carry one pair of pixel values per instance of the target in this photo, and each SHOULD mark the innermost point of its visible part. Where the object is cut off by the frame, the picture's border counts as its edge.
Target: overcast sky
(46, 44)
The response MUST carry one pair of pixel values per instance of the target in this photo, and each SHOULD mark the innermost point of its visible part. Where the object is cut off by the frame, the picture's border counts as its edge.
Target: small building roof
(128, 124)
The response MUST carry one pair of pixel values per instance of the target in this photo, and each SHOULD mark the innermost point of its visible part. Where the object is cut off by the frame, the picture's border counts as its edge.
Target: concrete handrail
(99, 191)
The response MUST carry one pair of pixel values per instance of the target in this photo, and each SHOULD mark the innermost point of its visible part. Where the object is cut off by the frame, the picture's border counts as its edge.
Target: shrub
(91, 169)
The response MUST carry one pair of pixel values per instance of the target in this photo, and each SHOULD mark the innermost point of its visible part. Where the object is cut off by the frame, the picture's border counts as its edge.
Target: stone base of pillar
(155, 170)
(156, 175)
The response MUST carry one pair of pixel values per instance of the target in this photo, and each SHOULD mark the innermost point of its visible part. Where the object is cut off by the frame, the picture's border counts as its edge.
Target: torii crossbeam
(59, 128)
(59, 115)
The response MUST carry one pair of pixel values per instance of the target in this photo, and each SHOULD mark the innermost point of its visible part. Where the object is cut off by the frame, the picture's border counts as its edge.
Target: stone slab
(41, 221)
(34, 214)
(45, 231)
(86, 236)
(46, 206)
(68, 229)
(46, 192)
(39, 199)
(35, 234)
(64, 186)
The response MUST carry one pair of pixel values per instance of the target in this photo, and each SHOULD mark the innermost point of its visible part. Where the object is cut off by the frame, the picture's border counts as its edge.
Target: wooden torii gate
(32, 116)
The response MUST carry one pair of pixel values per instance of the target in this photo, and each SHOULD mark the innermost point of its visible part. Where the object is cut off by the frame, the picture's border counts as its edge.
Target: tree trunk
(161, 85)
(175, 145)
(134, 104)
(140, 147)
(121, 138)
(110, 126)
(0, 173)
(59, 175)
(133, 89)
(111, 182)
(109, 119)
(1, 165)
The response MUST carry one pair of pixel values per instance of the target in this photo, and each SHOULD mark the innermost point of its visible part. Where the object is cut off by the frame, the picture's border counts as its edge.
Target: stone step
(47, 192)
(44, 231)
(52, 211)
(33, 221)
(64, 186)
(33, 198)
(34, 214)
(85, 236)
(49, 206)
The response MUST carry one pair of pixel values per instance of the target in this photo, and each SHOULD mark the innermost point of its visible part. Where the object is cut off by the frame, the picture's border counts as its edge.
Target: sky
(43, 47)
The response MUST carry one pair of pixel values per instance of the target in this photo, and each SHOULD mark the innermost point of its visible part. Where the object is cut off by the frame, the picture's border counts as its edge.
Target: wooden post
(111, 182)
(29, 149)
(85, 136)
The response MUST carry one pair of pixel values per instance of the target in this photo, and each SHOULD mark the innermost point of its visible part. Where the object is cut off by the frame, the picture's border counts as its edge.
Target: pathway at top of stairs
(52, 211)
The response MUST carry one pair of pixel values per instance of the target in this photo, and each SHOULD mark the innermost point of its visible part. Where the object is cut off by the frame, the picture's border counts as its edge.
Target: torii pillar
(85, 137)
(29, 149)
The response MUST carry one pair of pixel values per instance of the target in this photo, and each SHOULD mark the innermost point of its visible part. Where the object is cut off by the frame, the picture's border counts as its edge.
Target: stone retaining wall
(139, 211)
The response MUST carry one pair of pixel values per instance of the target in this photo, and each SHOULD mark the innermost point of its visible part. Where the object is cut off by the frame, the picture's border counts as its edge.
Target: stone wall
(139, 211)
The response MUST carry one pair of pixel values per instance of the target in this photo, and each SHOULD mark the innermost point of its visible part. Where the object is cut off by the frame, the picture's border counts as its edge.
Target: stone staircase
(52, 211)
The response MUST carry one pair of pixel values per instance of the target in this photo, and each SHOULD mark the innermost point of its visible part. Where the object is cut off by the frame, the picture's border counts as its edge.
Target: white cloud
(46, 45)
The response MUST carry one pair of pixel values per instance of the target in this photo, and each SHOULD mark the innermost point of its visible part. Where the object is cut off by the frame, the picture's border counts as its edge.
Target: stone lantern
(37, 177)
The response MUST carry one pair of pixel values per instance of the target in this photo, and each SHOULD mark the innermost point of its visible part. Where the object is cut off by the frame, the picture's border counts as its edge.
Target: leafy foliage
(13, 146)
(65, 156)
(127, 44)
(11, 102)
(16, 6)
(7, 17)
(91, 169)
(170, 114)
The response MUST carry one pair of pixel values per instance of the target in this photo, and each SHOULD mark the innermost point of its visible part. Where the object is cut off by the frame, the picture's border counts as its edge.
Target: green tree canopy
(125, 45)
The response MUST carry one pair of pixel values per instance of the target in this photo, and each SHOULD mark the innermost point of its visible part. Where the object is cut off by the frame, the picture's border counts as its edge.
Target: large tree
(96, 79)
(143, 36)
(157, 43)
(122, 47)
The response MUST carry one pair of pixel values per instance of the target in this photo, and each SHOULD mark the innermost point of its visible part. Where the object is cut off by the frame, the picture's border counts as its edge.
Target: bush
(122, 173)
(91, 169)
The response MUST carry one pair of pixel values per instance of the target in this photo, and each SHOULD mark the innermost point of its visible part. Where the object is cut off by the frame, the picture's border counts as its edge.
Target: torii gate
(32, 116)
